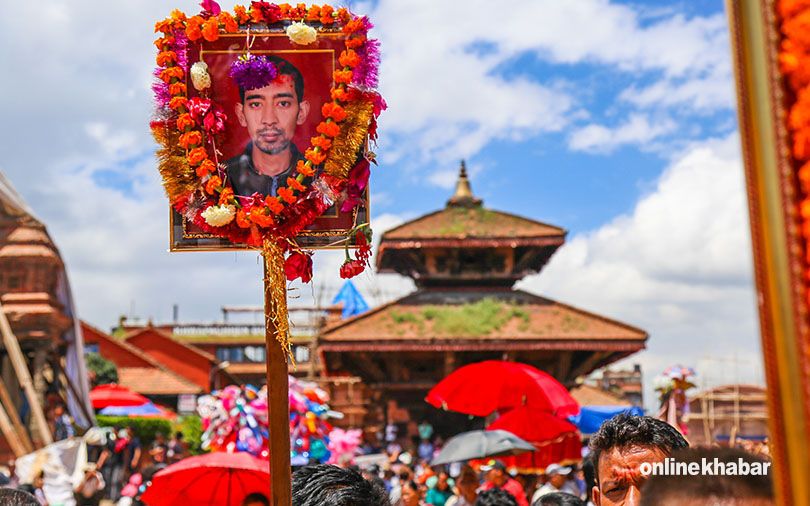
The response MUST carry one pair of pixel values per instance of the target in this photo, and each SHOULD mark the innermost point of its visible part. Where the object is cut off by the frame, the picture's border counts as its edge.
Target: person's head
(620, 447)
(467, 482)
(255, 499)
(442, 483)
(559, 499)
(130, 430)
(588, 473)
(495, 497)
(158, 455)
(59, 409)
(39, 479)
(557, 475)
(15, 497)
(703, 489)
(178, 435)
(405, 473)
(159, 437)
(411, 493)
(272, 113)
(495, 472)
(325, 485)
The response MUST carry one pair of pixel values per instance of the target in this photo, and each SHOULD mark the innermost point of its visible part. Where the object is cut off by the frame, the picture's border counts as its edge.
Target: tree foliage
(104, 369)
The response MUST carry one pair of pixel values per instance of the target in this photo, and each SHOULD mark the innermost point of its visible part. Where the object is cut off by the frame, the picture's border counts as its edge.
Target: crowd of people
(117, 468)
(611, 473)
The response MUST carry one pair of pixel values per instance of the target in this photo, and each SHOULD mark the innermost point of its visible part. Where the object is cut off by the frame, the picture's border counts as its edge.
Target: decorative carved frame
(779, 263)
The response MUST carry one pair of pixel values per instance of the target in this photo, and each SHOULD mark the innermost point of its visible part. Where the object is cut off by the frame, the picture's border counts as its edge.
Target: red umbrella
(482, 388)
(220, 478)
(557, 441)
(115, 395)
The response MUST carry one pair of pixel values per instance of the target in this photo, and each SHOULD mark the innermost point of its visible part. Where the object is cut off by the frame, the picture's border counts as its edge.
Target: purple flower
(252, 72)
(160, 88)
(365, 74)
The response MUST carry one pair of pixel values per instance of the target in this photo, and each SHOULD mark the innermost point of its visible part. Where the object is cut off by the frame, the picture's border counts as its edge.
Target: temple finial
(463, 195)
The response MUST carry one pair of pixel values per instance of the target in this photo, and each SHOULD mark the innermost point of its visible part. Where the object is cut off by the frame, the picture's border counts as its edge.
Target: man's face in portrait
(271, 115)
(620, 477)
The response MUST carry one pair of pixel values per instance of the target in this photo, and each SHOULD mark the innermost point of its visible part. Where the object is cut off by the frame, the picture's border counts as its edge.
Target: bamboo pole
(11, 435)
(57, 362)
(11, 409)
(278, 407)
(21, 368)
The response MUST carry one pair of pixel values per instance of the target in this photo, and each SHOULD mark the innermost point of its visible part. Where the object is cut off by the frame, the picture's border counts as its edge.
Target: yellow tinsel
(353, 131)
(179, 177)
(275, 295)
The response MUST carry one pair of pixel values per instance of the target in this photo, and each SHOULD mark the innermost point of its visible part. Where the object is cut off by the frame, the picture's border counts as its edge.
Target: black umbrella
(481, 444)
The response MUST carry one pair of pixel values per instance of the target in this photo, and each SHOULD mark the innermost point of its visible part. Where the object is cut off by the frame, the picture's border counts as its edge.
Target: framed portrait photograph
(268, 129)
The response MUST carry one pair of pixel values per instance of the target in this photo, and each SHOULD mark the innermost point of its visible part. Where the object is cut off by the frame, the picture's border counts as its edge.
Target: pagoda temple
(464, 260)
(40, 347)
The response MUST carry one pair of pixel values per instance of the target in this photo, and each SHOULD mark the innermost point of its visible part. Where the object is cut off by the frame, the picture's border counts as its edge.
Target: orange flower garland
(794, 63)
(191, 135)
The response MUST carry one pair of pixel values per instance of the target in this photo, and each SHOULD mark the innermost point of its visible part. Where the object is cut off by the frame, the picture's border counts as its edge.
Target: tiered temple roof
(465, 259)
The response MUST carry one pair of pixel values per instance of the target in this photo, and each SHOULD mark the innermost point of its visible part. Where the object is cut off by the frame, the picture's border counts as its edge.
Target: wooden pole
(11, 409)
(278, 404)
(21, 368)
(11, 435)
(57, 362)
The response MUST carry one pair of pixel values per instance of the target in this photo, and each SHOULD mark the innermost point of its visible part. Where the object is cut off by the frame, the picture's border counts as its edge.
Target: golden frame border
(772, 197)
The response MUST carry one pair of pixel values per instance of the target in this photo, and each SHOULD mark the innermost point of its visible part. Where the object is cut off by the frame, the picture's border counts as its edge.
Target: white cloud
(637, 129)
(679, 266)
(703, 95)
(448, 98)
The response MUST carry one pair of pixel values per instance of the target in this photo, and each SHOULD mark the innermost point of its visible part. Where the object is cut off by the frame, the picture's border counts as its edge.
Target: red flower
(299, 265)
(358, 180)
(208, 114)
(270, 12)
(351, 268)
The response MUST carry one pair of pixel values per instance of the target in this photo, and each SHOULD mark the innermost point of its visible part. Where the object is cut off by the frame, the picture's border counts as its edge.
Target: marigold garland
(794, 64)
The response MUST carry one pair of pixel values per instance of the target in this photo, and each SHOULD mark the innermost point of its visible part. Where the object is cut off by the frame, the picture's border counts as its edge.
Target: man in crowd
(496, 497)
(91, 489)
(496, 477)
(621, 446)
(325, 485)
(557, 482)
(559, 499)
(707, 490)
(14, 497)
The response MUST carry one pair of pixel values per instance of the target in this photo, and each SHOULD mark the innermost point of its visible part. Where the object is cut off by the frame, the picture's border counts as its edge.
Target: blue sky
(613, 120)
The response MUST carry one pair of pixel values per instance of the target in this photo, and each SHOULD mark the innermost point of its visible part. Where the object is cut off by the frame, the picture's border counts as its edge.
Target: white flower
(301, 33)
(218, 216)
(199, 76)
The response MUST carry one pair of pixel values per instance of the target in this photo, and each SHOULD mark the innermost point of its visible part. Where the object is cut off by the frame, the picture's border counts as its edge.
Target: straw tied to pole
(265, 196)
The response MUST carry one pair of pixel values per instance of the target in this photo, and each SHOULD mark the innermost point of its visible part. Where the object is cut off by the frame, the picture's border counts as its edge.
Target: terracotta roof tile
(151, 381)
(587, 395)
(455, 222)
(435, 315)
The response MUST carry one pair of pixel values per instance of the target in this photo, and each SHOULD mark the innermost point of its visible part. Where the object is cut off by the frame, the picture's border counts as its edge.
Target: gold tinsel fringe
(179, 177)
(345, 146)
(275, 295)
